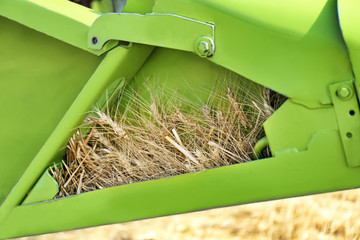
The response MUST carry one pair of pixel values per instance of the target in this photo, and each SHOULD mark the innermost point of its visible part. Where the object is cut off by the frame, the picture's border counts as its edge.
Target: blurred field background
(325, 216)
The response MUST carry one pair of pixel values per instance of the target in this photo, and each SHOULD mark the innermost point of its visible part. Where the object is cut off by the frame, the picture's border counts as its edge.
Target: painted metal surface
(151, 29)
(45, 188)
(260, 146)
(119, 62)
(54, 19)
(348, 117)
(272, 53)
(283, 176)
(294, 47)
(35, 97)
(350, 22)
(292, 126)
(139, 6)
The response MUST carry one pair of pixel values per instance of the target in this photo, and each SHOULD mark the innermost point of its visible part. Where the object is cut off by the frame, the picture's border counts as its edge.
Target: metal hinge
(163, 30)
(347, 112)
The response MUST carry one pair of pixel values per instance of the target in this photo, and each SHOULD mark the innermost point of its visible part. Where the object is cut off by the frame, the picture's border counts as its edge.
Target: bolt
(203, 47)
(343, 92)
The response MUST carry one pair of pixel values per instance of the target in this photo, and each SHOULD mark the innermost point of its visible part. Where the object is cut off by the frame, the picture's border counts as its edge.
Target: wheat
(157, 139)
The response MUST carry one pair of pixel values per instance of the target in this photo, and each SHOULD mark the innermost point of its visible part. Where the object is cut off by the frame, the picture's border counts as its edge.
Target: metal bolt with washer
(344, 93)
(204, 47)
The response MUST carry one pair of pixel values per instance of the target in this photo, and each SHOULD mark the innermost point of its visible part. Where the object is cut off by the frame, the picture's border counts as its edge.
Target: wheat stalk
(160, 139)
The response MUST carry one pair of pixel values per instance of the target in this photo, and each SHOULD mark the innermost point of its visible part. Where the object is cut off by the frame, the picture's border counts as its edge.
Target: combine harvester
(58, 58)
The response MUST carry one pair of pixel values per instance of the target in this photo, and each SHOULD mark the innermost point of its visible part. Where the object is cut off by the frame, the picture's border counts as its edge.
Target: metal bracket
(163, 30)
(348, 117)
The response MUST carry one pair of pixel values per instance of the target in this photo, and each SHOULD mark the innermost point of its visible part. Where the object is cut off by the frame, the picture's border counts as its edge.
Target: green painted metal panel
(286, 17)
(319, 169)
(151, 29)
(292, 126)
(296, 49)
(44, 189)
(139, 6)
(54, 18)
(299, 63)
(350, 22)
(348, 119)
(118, 63)
(184, 75)
(40, 78)
(102, 6)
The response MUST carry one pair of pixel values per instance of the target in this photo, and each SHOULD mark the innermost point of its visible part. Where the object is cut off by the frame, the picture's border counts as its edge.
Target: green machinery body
(57, 58)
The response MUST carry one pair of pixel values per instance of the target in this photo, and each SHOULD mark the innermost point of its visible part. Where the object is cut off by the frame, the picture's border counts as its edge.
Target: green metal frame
(54, 19)
(296, 48)
(151, 29)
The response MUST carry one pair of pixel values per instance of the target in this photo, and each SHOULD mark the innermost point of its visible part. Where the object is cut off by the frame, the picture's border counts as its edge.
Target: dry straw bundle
(164, 137)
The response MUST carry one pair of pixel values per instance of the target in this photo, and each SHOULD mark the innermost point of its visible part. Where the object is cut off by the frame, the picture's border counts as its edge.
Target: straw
(164, 137)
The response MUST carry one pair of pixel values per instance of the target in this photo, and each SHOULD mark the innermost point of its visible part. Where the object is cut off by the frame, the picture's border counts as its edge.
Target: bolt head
(344, 92)
(203, 47)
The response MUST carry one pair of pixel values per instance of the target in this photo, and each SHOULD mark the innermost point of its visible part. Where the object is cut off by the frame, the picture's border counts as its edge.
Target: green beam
(319, 169)
(55, 18)
(162, 30)
(119, 62)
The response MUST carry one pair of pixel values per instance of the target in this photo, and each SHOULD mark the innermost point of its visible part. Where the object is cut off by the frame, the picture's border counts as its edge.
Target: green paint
(139, 6)
(288, 56)
(344, 93)
(46, 188)
(350, 22)
(284, 176)
(348, 118)
(292, 126)
(152, 29)
(54, 18)
(260, 146)
(40, 78)
(50, 78)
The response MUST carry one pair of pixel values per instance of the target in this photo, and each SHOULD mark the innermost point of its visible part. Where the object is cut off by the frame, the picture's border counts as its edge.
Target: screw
(94, 40)
(343, 93)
